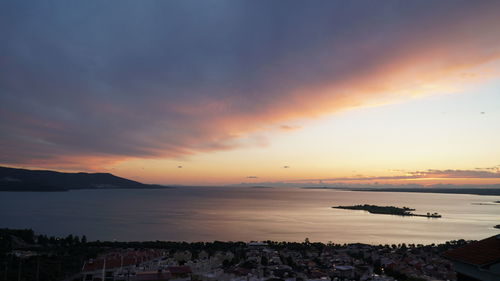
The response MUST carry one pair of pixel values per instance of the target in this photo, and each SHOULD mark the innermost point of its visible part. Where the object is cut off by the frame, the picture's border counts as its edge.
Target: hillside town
(26, 256)
(269, 261)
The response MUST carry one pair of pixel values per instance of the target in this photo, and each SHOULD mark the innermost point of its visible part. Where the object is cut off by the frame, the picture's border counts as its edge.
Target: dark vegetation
(29, 257)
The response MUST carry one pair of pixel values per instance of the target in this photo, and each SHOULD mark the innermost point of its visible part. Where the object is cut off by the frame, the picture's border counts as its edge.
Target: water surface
(241, 213)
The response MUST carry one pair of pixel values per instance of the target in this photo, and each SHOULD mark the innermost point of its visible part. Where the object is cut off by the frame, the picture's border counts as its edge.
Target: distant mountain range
(12, 179)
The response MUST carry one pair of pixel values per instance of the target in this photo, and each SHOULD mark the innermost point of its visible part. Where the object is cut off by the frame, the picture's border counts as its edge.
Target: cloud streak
(95, 83)
(487, 173)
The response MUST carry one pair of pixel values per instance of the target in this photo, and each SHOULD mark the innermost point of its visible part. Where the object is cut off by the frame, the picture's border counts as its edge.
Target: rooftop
(484, 252)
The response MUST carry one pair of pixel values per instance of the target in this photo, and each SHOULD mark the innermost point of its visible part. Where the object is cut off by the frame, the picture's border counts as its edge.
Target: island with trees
(388, 210)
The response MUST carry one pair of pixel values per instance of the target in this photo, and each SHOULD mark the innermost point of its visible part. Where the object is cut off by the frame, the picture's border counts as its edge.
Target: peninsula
(12, 179)
(388, 210)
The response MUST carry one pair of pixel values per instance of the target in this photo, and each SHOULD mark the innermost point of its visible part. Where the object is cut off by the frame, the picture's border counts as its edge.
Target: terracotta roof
(110, 264)
(241, 271)
(179, 269)
(118, 259)
(153, 276)
(484, 252)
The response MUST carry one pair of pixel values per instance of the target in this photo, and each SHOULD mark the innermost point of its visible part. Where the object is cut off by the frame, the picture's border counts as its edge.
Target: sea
(249, 214)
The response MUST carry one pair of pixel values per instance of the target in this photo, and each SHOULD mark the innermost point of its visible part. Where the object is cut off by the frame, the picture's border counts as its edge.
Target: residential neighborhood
(26, 256)
(275, 261)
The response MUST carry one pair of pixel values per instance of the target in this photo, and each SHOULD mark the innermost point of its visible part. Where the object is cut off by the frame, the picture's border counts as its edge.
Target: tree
(69, 239)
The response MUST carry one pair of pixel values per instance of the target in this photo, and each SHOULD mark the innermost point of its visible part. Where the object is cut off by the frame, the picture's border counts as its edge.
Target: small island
(388, 210)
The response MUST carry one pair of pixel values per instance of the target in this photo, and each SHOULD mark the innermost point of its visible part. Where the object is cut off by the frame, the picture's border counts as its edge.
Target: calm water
(224, 213)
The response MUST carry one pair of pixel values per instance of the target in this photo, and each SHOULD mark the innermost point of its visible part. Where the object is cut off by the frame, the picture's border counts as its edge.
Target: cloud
(459, 174)
(84, 83)
(486, 173)
(290, 127)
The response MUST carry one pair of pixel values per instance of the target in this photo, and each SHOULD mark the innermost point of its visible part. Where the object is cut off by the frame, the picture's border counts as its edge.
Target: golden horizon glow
(363, 146)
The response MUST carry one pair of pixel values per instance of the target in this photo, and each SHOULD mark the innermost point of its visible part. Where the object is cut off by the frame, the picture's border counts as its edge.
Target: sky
(228, 92)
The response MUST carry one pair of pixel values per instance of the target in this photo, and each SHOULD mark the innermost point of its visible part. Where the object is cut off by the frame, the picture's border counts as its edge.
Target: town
(258, 261)
(233, 261)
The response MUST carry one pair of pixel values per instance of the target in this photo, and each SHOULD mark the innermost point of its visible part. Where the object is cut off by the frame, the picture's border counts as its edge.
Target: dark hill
(12, 179)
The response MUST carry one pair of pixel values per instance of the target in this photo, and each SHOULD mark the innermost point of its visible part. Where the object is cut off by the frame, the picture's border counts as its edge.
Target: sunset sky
(228, 92)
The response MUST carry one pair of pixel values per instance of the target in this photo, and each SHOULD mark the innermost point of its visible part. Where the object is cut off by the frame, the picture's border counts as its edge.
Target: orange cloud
(491, 175)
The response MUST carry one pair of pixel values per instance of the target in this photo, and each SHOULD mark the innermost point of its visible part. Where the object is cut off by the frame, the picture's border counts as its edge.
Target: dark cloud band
(85, 81)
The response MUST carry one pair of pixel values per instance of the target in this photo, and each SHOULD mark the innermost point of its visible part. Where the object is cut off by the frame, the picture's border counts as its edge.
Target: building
(119, 265)
(478, 261)
(180, 271)
(152, 276)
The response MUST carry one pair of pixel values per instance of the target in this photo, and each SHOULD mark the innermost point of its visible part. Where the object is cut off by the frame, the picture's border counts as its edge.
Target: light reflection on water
(240, 213)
